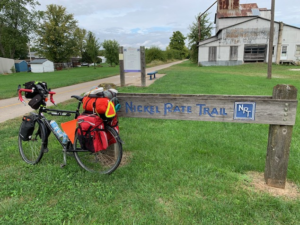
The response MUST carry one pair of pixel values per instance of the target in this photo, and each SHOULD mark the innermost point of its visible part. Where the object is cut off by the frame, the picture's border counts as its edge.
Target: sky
(152, 22)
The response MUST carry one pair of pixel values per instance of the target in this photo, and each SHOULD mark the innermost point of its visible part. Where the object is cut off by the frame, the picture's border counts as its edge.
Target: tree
(80, 40)
(90, 54)
(111, 51)
(56, 34)
(177, 41)
(193, 36)
(17, 20)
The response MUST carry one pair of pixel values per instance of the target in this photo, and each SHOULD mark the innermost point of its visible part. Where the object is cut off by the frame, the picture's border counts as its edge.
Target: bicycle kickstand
(65, 158)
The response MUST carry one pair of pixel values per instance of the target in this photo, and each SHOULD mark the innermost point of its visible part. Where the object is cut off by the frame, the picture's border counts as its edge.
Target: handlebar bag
(36, 101)
(38, 87)
(91, 133)
(27, 128)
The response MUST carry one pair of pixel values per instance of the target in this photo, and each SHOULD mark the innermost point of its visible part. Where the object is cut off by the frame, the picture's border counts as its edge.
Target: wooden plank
(237, 109)
(279, 143)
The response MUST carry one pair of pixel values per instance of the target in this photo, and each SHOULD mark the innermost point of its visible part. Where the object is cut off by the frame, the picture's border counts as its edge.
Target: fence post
(279, 141)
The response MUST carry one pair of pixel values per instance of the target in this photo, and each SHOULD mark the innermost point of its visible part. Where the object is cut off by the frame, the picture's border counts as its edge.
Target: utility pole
(271, 38)
(29, 51)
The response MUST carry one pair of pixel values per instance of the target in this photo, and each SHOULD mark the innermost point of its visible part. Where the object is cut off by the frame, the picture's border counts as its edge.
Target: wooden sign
(278, 110)
(218, 108)
(132, 59)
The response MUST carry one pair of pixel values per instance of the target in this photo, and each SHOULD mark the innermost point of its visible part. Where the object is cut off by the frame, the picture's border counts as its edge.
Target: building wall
(226, 22)
(291, 38)
(48, 66)
(37, 68)
(265, 14)
(21, 67)
(6, 65)
(253, 32)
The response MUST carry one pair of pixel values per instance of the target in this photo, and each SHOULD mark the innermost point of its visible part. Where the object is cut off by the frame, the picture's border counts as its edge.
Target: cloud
(152, 23)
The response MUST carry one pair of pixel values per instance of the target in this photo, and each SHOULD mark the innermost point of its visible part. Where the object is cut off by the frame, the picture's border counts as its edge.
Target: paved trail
(11, 108)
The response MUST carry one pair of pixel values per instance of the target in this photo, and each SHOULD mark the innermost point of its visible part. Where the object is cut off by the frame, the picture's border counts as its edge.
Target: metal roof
(19, 61)
(235, 10)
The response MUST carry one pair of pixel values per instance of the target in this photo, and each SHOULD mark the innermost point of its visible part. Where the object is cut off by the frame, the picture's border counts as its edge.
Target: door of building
(255, 53)
(283, 55)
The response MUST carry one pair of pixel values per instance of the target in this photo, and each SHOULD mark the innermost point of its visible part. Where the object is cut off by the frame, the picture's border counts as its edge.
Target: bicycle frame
(79, 152)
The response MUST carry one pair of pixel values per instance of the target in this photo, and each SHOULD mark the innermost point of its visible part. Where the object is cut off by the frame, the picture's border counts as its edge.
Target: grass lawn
(9, 83)
(176, 172)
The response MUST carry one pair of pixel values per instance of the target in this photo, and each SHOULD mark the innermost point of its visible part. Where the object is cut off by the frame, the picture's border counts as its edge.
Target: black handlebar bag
(36, 101)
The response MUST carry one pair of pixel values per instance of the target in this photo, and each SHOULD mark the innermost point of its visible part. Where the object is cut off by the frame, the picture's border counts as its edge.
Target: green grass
(62, 78)
(179, 172)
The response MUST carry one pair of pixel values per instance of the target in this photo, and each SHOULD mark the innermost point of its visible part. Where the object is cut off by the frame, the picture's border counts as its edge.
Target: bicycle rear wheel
(32, 150)
(103, 162)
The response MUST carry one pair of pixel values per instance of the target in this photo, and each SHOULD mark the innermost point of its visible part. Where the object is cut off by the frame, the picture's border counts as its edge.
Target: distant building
(242, 35)
(34, 55)
(41, 66)
(102, 58)
(21, 66)
(6, 65)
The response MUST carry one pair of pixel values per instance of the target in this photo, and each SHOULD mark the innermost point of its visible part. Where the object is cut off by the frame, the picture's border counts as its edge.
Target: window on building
(233, 53)
(297, 49)
(273, 50)
(212, 54)
(284, 50)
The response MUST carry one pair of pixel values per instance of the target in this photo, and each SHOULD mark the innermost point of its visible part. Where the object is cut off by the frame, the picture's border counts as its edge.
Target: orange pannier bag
(98, 105)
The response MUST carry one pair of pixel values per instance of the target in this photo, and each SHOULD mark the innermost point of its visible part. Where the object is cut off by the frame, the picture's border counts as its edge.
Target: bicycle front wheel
(103, 162)
(32, 150)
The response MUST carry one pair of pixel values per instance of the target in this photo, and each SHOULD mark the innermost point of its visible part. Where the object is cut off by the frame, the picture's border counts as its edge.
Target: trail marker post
(278, 110)
(121, 63)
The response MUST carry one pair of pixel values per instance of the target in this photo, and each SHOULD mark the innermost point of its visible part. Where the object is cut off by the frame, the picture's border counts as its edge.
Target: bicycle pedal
(46, 150)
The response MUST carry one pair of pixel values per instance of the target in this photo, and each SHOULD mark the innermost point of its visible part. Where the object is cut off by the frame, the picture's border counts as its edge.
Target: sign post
(134, 61)
(143, 66)
(121, 62)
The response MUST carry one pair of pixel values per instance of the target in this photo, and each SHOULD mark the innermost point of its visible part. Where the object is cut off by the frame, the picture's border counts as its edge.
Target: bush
(13, 69)
(174, 54)
(155, 53)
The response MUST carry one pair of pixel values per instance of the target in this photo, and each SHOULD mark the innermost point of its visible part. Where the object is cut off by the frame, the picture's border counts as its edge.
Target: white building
(6, 65)
(242, 35)
(41, 66)
(102, 58)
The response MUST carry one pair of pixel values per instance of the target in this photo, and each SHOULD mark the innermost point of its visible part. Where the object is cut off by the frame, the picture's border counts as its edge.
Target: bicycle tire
(103, 162)
(32, 150)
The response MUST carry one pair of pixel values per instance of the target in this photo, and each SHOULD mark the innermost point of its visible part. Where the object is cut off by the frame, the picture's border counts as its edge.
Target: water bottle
(56, 129)
(65, 138)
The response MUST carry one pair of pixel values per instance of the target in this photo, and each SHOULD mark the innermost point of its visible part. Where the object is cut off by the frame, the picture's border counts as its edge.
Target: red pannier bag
(91, 133)
(98, 105)
(114, 124)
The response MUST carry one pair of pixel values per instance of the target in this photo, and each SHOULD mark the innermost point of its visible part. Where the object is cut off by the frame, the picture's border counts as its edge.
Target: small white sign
(132, 59)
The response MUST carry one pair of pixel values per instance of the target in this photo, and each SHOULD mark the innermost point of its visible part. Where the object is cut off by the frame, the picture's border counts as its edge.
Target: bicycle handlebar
(31, 91)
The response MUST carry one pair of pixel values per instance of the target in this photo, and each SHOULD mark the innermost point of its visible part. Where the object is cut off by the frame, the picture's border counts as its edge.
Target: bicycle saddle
(79, 98)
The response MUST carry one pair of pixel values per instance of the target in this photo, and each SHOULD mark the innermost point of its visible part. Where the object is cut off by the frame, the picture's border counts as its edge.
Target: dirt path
(11, 108)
